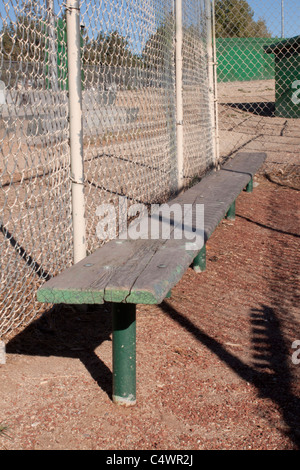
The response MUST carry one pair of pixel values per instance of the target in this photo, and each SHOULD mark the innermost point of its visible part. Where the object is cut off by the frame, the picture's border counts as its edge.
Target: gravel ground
(216, 367)
(215, 362)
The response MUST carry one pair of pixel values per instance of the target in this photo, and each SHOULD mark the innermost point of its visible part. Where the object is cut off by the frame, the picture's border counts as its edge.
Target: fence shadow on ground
(77, 334)
(68, 332)
(264, 109)
(269, 352)
(272, 321)
(271, 357)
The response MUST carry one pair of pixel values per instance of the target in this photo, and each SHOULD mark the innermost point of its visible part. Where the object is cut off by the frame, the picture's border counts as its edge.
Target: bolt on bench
(143, 271)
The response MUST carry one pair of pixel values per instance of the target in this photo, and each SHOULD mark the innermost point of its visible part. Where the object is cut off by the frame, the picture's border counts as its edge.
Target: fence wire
(35, 218)
(128, 92)
(197, 112)
(258, 68)
(129, 126)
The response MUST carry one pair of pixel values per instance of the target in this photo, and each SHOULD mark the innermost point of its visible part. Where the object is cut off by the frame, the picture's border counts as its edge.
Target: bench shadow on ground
(273, 326)
(266, 109)
(270, 372)
(77, 335)
(65, 331)
(70, 332)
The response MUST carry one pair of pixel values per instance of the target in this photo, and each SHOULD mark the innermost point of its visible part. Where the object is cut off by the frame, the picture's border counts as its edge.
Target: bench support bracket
(169, 294)
(124, 354)
(199, 263)
(249, 187)
(231, 212)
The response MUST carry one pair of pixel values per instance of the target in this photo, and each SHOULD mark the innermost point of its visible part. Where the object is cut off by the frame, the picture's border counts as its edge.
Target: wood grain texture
(144, 271)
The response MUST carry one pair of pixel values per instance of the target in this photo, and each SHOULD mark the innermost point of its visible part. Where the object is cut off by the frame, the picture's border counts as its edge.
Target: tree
(156, 50)
(24, 39)
(234, 18)
(159, 50)
(109, 49)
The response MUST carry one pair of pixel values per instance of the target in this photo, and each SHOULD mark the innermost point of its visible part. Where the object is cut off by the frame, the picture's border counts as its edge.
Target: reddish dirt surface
(214, 362)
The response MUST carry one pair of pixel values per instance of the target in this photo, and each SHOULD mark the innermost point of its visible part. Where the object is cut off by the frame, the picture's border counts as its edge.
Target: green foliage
(110, 49)
(234, 19)
(25, 38)
(23, 41)
(157, 49)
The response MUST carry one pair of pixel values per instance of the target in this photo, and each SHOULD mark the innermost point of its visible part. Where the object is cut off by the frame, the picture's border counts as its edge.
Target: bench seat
(143, 271)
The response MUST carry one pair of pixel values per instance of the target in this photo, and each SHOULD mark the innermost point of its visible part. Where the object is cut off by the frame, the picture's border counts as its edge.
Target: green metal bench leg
(124, 354)
(249, 187)
(231, 212)
(199, 263)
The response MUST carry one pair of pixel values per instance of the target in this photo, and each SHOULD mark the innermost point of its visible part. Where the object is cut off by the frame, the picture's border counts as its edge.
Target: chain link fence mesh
(35, 218)
(129, 126)
(258, 55)
(129, 104)
(198, 129)
(129, 116)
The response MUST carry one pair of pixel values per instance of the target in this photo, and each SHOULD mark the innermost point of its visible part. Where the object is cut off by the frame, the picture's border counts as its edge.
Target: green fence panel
(242, 59)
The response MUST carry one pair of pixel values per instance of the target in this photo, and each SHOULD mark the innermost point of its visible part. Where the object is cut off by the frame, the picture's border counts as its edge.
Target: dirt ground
(216, 367)
(215, 364)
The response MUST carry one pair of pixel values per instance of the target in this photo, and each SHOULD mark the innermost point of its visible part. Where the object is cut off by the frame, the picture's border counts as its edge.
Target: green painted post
(124, 354)
(249, 187)
(199, 263)
(231, 212)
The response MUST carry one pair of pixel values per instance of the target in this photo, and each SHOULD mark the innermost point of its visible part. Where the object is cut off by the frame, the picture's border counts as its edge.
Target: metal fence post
(210, 64)
(179, 85)
(76, 131)
(215, 90)
(52, 45)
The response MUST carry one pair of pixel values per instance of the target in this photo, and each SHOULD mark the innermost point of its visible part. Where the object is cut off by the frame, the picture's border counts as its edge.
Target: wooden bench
(143, 271)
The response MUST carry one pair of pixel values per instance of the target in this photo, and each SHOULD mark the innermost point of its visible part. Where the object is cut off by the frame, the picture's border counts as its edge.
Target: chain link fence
(129, 102)
(150, 79)
(130, 125)
(258, 55)
(132, 115)
(35, 216)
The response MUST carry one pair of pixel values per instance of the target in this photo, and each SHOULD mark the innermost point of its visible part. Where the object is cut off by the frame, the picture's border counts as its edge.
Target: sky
(270, 11)
(141, 11)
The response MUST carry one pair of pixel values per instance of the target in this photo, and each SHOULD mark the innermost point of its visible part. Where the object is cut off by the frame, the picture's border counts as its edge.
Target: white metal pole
(76, 134)
(282, 18)
(2, 353)
(52, 46)
(179, 87)
(210, 62)
(215, 79)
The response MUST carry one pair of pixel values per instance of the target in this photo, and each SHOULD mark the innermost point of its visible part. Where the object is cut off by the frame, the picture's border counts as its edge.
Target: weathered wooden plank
(85, 282)
(168, 264)
(171, 260)
(156, 263)
(119, 285)
(144, 271)
(245, 162)
(164, 270)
